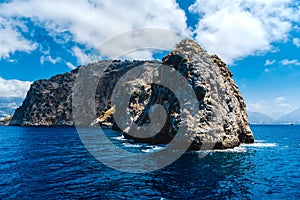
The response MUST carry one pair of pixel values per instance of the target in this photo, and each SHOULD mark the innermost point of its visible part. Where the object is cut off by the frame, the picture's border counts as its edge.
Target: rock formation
(5, 121)
(221, 106)
(47, 103)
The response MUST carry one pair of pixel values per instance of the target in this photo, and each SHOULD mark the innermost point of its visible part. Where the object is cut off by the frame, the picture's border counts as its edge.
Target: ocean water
(51, 163)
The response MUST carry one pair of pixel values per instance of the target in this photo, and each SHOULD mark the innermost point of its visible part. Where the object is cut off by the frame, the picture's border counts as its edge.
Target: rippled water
(51, 163)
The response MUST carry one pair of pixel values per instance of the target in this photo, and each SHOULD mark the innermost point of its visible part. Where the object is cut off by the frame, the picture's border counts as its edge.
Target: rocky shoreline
(221, 106)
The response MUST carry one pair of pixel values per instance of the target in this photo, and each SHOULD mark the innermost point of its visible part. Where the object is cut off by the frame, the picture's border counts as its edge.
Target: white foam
(132, 145)
(260, 141)
(239, 149)
(120, 138)
(150, 149)
(234, 150)
(258, 144)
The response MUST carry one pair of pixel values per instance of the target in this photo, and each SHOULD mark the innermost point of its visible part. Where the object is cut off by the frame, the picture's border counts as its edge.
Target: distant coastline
(283, 124)
(260, 118)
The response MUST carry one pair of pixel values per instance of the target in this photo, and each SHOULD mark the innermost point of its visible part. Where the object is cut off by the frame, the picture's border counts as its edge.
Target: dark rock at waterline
(222, 117)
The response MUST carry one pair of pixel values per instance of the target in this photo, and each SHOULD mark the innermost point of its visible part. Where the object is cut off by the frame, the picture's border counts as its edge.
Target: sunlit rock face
(222, 117)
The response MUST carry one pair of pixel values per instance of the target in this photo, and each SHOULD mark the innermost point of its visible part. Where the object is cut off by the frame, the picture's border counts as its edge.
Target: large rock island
(221, 106)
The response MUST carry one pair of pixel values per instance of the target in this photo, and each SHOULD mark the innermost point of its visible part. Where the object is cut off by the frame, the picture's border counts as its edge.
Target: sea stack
(222, 116)
(221, 106)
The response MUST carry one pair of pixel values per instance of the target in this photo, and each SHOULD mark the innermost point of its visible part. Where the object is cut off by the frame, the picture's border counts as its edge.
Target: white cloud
(82, 57)
(45, 51)
(280, 99)
(290, 62)
(232, 29)
(90, 22)
(13, 88)
(70, 65)
(267, 70)
(11, 60)
(270, 62)
(10, 105)
(285, 105)
(296, 42)
(257, 106)
(275, 105)
(137, 54)
(281, 102)
(238, 28)
(11, 40)
(48, 58)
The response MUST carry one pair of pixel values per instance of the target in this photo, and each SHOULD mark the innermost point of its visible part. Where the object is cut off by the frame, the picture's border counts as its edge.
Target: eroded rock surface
(222, 118)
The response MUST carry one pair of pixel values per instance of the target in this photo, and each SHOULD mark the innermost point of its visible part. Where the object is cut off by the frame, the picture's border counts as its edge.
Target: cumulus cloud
(296, 42)
(269, 62)
(290, 62)
(13, 88)
(90, 22)
(49, 58)
(232, 29)
(140, 43)
(11, 40)
(235, 29)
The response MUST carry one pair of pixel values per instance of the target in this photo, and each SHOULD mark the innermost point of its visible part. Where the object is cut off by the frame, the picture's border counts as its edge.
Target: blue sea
(52, 163)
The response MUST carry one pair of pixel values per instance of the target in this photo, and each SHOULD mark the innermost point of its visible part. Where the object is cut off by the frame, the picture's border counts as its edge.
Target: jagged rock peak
(188, 45)
(186, 48)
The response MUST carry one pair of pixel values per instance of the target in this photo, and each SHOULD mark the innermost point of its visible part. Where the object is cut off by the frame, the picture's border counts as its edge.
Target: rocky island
(221, 105)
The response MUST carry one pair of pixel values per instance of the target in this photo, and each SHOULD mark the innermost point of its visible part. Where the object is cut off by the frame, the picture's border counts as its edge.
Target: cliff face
(47, 103)
(221, 106)
(222, 116)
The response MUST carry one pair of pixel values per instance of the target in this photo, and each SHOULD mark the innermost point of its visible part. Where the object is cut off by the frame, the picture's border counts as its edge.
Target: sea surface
(52, 163)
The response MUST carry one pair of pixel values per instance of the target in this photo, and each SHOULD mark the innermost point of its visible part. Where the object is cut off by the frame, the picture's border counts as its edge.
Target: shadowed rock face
(47, 103)
(222, 116)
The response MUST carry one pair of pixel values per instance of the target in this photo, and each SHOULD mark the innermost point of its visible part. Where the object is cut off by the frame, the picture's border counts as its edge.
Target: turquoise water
(51, 163)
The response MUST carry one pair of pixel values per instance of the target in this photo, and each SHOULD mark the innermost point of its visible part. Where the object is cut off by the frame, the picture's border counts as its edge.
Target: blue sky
(259, 39)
